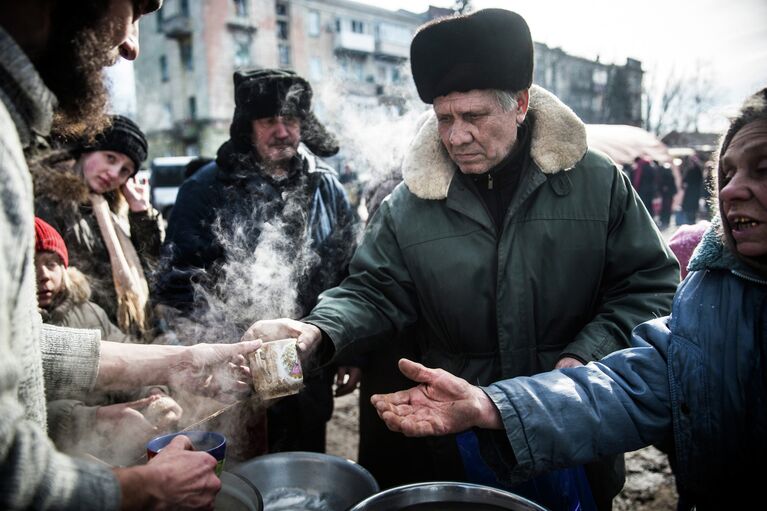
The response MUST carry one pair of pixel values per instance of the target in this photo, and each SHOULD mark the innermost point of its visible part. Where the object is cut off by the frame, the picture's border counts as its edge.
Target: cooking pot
(237, 494)
(307, 481)
(446, 496)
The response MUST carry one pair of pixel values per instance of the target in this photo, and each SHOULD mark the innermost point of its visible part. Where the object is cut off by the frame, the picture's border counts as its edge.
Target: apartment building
(191, 48)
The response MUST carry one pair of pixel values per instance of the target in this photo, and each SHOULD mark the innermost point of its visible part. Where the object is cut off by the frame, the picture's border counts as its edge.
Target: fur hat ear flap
(317, 138)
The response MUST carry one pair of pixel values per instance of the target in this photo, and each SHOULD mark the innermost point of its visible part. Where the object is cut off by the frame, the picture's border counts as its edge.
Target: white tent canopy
(623, 143)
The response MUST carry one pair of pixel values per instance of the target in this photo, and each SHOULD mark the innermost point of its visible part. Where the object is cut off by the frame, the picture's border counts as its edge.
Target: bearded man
(52, 53)
(262, 231)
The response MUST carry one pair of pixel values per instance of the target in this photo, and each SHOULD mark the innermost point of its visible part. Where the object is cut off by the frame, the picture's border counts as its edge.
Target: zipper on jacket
(748, 277)
(489, 181)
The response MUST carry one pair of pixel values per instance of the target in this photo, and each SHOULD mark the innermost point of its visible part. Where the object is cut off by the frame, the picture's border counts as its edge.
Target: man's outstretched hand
(308, 337)
(440, 405)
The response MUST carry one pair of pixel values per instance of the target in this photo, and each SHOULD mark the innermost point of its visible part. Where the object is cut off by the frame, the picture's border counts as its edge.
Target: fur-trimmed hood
(558, 143)
(712, 253)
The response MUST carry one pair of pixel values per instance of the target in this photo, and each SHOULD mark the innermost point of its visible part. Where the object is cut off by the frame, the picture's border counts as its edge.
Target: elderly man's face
(476, 131)
(276, 138)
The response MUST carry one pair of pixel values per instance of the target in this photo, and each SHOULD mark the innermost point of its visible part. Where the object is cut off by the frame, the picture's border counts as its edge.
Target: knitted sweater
(35, 359)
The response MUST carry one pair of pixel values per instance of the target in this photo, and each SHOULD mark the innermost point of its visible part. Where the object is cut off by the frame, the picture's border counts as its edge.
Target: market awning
(623, 143)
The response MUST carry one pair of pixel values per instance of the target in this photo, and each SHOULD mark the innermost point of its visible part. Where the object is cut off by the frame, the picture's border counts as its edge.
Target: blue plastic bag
(559, 490)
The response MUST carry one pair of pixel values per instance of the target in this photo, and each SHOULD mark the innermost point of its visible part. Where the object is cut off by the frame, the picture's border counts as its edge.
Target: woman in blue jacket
(694, 383)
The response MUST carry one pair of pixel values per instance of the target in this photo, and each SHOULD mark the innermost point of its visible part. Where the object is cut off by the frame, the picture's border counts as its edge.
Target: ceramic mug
(209, 441)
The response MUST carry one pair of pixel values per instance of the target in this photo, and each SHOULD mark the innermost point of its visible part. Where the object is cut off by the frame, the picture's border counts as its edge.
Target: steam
(268, 262)
(374, 135)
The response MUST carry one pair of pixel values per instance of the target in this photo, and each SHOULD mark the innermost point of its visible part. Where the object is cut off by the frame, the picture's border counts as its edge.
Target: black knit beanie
(122, 136)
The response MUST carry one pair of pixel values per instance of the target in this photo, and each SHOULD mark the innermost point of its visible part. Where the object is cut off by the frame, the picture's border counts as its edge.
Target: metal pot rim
(444, 491)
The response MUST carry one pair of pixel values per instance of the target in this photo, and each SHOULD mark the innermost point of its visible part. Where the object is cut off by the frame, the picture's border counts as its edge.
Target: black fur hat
(122, 136)
(271, 92)
(488, 49)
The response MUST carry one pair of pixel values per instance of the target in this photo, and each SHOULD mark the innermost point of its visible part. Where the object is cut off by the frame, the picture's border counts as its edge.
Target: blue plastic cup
(208, 441)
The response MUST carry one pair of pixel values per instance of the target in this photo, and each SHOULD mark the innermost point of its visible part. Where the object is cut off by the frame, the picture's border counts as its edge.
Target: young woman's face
(105, 171)
(743, 189)
(50, 277)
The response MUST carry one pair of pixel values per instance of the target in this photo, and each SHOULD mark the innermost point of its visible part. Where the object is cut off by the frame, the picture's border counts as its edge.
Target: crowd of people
(516, 276)
(682, 195)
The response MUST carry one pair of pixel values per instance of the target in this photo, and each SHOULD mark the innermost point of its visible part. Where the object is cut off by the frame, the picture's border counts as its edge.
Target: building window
(187, 60)
(184, 8)
(282, 29)
(284, 54)
(241, 53)
(282, 9)
(394, 33)
(314, 23)
(241, 8)
(395, 75)
(164, 68)
(358, 27)
(315, 68)
(192, 107)
(353, 69)
(338, 24)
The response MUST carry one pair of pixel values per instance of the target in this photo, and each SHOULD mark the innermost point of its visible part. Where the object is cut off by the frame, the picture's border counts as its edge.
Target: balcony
(354, 42)
(177, 26)
(392, 49)
(241, 24)
(187, 129)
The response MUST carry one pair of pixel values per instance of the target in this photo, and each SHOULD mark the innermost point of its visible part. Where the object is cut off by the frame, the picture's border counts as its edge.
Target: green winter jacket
(578, 263)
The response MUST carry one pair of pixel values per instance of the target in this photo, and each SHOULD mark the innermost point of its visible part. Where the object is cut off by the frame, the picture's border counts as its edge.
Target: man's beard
(72, 65)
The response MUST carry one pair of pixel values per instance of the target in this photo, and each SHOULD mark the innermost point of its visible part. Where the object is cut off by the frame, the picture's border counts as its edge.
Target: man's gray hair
(506, 99)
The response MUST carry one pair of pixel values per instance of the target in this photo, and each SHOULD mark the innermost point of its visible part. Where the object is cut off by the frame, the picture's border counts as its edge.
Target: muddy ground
(649, 483)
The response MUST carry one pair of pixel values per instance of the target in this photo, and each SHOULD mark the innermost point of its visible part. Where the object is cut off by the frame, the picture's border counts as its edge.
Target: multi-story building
(190, 49)
(599, 93)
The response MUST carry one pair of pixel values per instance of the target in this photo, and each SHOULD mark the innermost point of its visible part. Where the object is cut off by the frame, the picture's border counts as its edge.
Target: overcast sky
(728, 38)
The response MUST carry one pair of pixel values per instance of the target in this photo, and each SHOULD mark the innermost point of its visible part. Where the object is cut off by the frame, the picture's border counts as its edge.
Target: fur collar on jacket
(558, 142)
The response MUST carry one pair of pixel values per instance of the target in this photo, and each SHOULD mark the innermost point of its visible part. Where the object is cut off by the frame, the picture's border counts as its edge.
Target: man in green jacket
(512, 247)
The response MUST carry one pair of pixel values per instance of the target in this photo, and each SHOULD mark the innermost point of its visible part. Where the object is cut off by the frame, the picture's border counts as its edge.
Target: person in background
(684, 240)
(52, 53)
(643, 178)
(82, 423)
(693, 186)
(381, 451)
(510, 246)
(667, 189)
(692, 382)
(89, 194)
(267, 181)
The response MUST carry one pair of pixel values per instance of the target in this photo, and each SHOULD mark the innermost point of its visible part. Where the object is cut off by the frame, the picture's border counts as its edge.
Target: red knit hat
(48, 239)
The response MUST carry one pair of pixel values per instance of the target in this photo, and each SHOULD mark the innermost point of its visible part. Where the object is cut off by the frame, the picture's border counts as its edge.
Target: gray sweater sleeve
(70, 360)
(33, 475)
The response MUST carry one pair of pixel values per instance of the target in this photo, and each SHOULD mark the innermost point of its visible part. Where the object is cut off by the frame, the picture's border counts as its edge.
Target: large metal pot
(446, 496)
(237, 494)
(309, 481)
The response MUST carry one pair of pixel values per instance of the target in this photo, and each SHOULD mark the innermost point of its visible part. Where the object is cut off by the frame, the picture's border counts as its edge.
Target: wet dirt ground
(649, 483)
